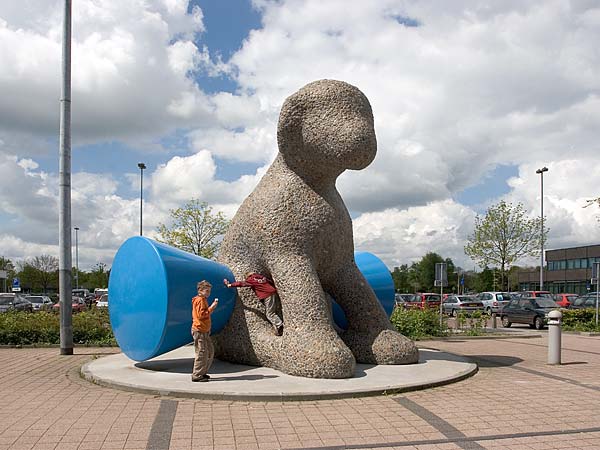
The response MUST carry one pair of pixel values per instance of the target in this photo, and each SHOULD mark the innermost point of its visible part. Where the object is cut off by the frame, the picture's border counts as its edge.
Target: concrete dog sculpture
(295, 228)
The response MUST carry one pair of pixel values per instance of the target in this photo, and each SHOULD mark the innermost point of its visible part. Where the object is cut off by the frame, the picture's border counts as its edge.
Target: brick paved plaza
(515, 401)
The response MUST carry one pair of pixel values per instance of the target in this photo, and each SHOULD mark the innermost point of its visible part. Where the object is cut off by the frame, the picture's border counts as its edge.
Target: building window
(584, 263)
(562, 264)
(571, 263)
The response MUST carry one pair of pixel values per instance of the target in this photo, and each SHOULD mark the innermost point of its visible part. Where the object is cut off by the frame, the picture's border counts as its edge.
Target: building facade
(567, 270)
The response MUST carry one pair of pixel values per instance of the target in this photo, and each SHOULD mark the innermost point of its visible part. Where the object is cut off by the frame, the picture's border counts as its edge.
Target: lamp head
(142, 166)
(542, 170)
(76, 228)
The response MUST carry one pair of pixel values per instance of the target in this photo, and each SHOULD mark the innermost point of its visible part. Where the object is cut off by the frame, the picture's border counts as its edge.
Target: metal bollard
(554, 336)
(494, 324)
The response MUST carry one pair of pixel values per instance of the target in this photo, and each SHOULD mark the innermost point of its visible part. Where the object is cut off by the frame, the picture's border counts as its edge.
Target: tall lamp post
(64, 212)
(541, 172)
(142, 166)
(76, 258)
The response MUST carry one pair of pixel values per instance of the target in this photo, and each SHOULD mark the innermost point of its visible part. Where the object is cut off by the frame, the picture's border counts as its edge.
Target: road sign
(16, 289)
(16, 283)
(595, 270)
(441, 274)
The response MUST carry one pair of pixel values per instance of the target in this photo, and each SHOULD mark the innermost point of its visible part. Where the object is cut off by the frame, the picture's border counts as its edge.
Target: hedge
(579, 320)
(419, 323)
(22, 328)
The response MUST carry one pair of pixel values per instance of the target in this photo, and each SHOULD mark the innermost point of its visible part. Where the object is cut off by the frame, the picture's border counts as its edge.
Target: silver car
(455, 304)
(40, 302)
(493, 302)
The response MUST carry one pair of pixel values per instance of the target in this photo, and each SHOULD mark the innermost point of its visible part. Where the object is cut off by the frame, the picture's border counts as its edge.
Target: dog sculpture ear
(289, 128)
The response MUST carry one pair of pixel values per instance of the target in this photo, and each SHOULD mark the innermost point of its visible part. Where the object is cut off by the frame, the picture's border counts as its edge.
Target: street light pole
(541, 172)
(65, 267)
(142, 166)
(76, 258)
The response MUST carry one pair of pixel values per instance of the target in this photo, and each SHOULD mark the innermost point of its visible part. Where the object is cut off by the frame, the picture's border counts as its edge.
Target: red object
(424, 300)
(260, 284)
(78, 305)
(564, 300)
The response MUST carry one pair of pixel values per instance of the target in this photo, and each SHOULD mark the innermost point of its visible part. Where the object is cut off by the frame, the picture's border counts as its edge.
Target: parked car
(99, 292)
(455, 304)
(401, 299)
(40, 302)
(584, 301)
(536, 294)
(564, 300)
(529, 310)
(102, 301)
(77, 304)
(424, 300)
(13, 302)
(493, 301)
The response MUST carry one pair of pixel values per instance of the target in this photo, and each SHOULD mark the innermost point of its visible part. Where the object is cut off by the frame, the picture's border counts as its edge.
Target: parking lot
(515, 401)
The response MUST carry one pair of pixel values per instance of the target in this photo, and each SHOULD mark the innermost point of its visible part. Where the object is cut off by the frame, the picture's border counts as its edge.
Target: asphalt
(170, 374)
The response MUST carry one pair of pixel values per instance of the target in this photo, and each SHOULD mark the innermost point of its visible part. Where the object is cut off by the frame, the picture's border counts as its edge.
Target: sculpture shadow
(185, 365)
(242, 377)
(426, 355)
(491, 361)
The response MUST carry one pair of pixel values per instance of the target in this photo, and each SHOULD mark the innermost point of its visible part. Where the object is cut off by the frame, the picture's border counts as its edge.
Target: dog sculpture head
(327, 125)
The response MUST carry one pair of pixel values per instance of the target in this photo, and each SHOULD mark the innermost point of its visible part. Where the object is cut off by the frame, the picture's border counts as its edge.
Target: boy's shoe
(279, 330)
(202, 378)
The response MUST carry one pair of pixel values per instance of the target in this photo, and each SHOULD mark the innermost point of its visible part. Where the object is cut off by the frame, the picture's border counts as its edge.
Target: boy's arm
(214, 304)
(235, 283)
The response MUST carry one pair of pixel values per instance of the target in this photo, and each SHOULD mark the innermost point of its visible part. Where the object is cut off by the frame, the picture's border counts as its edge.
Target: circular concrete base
(170, 374)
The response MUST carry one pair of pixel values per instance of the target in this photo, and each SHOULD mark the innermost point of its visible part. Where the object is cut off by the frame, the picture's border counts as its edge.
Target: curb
(88, 375)
(488, 336)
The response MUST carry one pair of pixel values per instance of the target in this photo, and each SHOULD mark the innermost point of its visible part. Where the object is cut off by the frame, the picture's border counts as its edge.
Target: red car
(78, 305)
(564, 300)
(424, 300)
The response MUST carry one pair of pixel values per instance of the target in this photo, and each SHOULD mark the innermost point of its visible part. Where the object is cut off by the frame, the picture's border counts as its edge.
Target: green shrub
(579, 320)
(21, 328)
(419, 323)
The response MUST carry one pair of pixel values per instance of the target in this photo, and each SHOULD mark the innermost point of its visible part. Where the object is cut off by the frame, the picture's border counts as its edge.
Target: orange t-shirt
(201, 314)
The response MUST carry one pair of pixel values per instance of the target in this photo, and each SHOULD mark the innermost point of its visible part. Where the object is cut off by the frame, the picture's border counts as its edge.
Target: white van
(83, 293)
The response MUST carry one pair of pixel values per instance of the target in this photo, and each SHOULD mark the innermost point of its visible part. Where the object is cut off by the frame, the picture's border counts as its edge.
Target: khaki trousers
(204, 352)
(270, 309)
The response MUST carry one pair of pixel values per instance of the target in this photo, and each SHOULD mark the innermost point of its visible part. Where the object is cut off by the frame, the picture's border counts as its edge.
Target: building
(567, 270)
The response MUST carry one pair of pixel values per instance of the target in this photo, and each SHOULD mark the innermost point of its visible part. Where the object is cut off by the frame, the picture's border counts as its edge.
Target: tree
(484, 281)
(427, 269)
(401, 281)
(46, 267)
(194, 229)
(96, 278)
(413, 277)
(503, 236)
(7, 266)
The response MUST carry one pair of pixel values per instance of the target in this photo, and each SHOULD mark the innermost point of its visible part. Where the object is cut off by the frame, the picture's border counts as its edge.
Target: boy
(204, 350)
(266, 292)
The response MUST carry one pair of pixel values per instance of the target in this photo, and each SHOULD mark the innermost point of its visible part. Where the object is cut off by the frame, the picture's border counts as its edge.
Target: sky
(469, 99)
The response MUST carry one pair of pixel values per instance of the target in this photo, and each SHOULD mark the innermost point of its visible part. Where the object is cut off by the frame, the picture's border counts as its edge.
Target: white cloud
(404, 236)
(130, 61)
(474, 86)
(184, 178)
